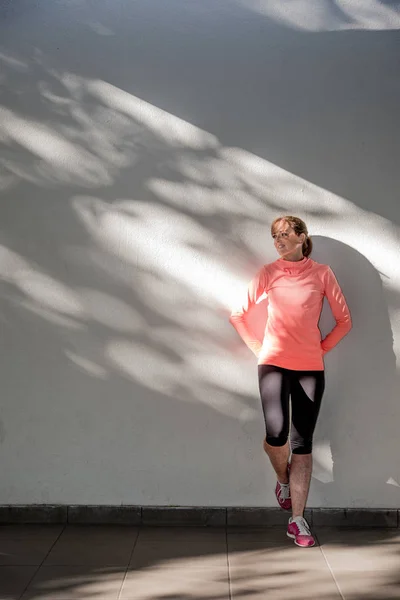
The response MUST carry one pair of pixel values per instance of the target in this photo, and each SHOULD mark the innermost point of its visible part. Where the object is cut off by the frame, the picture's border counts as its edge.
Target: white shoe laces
(302, 525)
(284, 492)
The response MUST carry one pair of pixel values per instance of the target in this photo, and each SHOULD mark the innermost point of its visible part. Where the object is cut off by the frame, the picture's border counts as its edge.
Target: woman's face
(286, 240)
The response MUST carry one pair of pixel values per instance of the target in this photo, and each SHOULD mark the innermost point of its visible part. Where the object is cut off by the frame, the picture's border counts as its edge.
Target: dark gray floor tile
(27, 545)
(91, 545)
(280, 573)
(176, 582)
(181, 534)
(365, 562)
(198, 547)
(75, 583)
(258, 537)
(13, 581)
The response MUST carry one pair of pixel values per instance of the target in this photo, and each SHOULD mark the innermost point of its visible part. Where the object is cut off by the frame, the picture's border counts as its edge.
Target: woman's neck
(293, 257)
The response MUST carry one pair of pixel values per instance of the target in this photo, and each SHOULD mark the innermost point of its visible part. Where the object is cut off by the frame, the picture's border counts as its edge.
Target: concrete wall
(146, 147)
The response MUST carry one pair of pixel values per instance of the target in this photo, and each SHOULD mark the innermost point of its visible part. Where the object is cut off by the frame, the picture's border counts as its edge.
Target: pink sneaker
(282, 493)
(299, 531)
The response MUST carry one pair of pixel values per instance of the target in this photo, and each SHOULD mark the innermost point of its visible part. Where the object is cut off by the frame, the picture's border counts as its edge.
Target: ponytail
(307, 246)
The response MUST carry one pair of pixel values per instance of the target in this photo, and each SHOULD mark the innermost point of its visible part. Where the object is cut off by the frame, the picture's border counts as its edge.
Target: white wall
(147, 145)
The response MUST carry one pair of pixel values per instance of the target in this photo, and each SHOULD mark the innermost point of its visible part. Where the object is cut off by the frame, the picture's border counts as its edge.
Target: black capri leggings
(305, 388)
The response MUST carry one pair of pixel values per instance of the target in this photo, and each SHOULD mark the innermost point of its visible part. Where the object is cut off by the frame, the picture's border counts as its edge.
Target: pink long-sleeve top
(295, 292)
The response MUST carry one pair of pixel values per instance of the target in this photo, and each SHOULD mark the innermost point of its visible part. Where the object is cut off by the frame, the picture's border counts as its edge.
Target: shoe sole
(293, 537)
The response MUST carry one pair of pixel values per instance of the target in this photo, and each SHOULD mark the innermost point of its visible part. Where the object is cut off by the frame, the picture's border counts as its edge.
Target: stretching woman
(290, 359)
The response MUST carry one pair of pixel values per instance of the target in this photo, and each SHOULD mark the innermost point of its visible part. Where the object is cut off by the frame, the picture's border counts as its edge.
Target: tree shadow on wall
(360, 412)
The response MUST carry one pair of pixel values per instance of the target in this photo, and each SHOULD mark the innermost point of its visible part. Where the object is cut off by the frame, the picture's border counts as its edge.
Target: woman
(290, 359)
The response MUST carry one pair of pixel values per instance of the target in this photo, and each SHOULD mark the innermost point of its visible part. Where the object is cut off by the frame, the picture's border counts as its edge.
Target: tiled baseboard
(192, 516)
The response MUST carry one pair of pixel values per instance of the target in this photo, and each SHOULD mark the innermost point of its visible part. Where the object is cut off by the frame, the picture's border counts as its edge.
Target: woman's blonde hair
(299, 227)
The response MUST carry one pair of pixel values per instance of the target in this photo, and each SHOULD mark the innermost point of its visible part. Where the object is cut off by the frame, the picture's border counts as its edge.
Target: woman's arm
(340, 311)
(238, 318)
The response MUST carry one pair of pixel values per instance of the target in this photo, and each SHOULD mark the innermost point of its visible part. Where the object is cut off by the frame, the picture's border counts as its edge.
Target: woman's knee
(275, 441)
(301, 446)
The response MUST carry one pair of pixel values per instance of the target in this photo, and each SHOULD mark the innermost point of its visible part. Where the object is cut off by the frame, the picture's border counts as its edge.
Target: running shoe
(299, 531)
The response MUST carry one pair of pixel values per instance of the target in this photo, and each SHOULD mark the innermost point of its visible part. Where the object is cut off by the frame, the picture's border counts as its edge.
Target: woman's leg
(274, 383)
(279, 458)
(300, 477)
(307, 388)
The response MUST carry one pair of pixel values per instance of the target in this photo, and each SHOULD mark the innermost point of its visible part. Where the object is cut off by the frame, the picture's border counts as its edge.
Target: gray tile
(265, 563)
(14, 580)
(104, 515)
(194, 555)
(258, 538)
(371, 517)
(280, 573)
(260, 517)
(256, 517)
(369, 585)
(351, 517)
(29, 532)
(284, 587)
(27, 544)
(91, 545)
(357, 536)
(329, 517)
(182, 534)
(364, 562)
(351, 549)
(32, 513)
(75, 583)
(202, 548)
(176, 581)
(182, 516)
